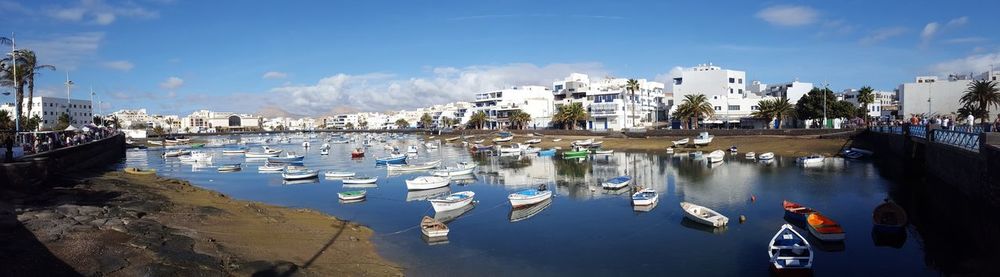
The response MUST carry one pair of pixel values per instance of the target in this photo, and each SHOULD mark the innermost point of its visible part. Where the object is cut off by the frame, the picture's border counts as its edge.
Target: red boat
(357, 153)
(795, 211)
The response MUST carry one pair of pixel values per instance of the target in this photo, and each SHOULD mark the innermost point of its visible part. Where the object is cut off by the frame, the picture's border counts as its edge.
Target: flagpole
(17, 109)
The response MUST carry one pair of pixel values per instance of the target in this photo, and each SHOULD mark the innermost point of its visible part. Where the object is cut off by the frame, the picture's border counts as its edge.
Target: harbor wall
(819, 133)
(34, 170)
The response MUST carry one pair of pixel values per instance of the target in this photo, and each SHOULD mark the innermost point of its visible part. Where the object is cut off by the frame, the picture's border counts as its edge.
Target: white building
(48, 110)
(613, 107)
(132, 117)
(534, 100)
(793, 91)
(934, 96)
(725, 90)
(343, 121)
(205, 121)
(883, 100)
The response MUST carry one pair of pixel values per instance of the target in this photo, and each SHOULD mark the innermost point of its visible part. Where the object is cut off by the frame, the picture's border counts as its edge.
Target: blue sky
(322, 57)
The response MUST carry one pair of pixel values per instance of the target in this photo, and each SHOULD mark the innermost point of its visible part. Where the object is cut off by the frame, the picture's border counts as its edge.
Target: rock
(83, 219)
(90, 210)
(110, 263)
(48, 215)
(68, 209)
(25, 217)
(98, 222)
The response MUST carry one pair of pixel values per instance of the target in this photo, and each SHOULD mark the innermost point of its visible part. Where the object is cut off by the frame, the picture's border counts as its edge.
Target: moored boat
(576, 153)
(533, 141)
(617, 182)
(452, 201)
(413, 167)
(716, 156)
(324, 152)
(260, 155)
(359, 180)
(824, 228)
(393, 159)
(426, 182)
(789, 251)
(750, 155)
(503, 139)
(603, 152)
(338, 174)
(229, 168)
(352, 195)
(670, 150)
(547, 152)
(680, 142)
(268, 167)
(703, 138)
(812, 159)
(464, 168)
(289, 157)
(433, 228)
(645, 197)
(299, 174)
(529, 196)
(704, 215)
(796, 212)
(733, 149)
(176, 153)
(766, 156)
(889, 217)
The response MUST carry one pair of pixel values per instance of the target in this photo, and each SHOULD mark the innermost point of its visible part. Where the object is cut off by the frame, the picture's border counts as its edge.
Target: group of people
(945, 121)
(38, 142)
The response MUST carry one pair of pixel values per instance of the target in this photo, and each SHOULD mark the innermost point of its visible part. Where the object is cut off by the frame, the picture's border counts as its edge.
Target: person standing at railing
(971, 120)
(996, 124)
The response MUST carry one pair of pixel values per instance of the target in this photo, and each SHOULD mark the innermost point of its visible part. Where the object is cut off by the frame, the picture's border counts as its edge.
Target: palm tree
(31, 67)
(7, 77)
(866, 96)
(980, 96)
(426, 120)
(570, 115)
(519, 119)
(477, 120)
(5, 122)
(63, 122)
(772, 109)
(632, 85)
(402, 123)
(695, 106)
(445, 122)
(158, 131)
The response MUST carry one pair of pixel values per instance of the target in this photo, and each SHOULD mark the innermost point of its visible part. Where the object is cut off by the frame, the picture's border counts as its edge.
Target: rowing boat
(704, 215)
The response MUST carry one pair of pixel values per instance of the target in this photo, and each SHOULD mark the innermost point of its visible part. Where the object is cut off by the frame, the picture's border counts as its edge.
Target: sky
(314, 58)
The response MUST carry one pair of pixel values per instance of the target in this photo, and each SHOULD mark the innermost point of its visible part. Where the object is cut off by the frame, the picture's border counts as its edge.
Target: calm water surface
(584, 230)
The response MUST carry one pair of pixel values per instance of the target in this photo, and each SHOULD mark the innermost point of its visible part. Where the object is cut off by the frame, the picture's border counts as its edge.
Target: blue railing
(888, 129)
(973, 129)
(919, 131)
(965, 140)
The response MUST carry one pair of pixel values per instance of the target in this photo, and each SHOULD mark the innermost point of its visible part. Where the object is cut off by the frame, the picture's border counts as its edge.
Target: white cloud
(272, 75)
(172, 83)
(104, 18)
(971, 64)
(929, 31)
(880, 35)
(668, 78)
(958, 21)
(966, 40)
(71, 14)
(788, 16)
(934, 29)
(119, 65)
(383, 92)
(99, 11)
(65, 51)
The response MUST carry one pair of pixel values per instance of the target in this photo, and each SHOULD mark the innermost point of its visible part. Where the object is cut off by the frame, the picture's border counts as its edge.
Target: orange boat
(824, 228)
(795, 211)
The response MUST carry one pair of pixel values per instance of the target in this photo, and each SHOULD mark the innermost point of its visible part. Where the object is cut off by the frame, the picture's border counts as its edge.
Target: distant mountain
(273, 111)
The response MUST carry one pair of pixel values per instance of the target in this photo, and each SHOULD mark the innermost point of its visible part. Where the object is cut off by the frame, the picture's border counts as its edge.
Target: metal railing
(888, 129)
(919, 131)
(973, 129)
(965, 140)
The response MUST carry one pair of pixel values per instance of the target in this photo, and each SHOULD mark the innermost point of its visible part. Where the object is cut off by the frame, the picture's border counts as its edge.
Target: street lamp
(826, 88)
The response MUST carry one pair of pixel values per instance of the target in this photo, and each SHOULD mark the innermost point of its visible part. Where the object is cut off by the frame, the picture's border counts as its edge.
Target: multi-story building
(537, 101)
(343, 121)
(725, 89)
(884, 100)
(929, 95)
(48, 109)
(793, 91)
(613, 107)
(129, 118)
(205, 121)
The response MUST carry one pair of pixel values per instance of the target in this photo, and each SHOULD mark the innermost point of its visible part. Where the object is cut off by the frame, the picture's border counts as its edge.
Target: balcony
(604, 109)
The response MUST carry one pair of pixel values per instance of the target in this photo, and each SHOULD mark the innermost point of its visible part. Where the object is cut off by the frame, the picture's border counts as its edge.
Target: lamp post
(826, 88)
(69, 85)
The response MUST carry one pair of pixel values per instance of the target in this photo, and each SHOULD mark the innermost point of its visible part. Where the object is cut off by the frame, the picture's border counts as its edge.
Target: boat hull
(519, 200)
(360, 181)
(426, 183)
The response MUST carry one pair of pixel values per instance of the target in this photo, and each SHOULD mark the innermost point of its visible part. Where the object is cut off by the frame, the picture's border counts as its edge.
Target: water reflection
(419, 195)
(690, 224)
(451, 215)
(301, 181)
(524, 213)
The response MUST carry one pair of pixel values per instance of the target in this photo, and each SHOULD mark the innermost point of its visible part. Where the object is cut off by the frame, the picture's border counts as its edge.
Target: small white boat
(176, 153)
(529, 196)
(433, 228)
(352, 195)
(155, 142)
(766, 156)
(789, 251)
(229, 168)
(360, 180)
(324, 152)
(733, 149)
(704, 215)
(533, 141)
(431, 145)
(645, 197)
(716, 156)
(617, 182)
(670, 150)
(531, 150)
(413, 167)
(681, 142)
(703, 139)
(452, 201)
(503, 139)
(299, 174)
(186, 159)
(452, 139)
(464, 168)
(811, 159)
(427, 182)
(556, 140)
(513, 148)
(270, 168)
(750, 155)
(234, 151)
(338, 174)
(305, 144)
(478, 141)
(603, 152)
(585, 142)
(412, 149)
(260, 155)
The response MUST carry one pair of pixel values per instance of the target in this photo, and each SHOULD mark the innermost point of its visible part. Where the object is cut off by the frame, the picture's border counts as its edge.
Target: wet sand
(132, 225)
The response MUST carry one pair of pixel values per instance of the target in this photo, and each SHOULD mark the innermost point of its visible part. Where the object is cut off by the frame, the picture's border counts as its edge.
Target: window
(718, 108)
(741, 80)
(734, 107)
(741, 91)
(732, 80)
(754, 108)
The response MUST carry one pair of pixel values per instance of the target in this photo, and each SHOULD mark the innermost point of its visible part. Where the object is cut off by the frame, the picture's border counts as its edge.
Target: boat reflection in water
(464, 179)
(691, 224)
(418, 195)
(894, 239)
(645, 208)
(368, 185)
(620, 191)
(301, 182)
(452, 215)
(352, 201)
(526, 212)
(435, 240)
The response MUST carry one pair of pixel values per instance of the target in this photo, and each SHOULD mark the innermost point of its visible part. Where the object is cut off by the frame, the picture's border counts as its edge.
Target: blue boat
(547, 152)
(397, 159)
(617, 182)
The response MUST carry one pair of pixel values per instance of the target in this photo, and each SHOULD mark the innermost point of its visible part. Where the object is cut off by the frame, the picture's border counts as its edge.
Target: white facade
(49, 108)
(725, 90)
(343, 122)
(793, 91)
(534, 100)
(934, 96)
(883, 100)
(613, 107)
(205, 121)
(132, 117)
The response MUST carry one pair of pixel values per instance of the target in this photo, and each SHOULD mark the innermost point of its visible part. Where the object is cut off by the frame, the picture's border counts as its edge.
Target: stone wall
(33, 170)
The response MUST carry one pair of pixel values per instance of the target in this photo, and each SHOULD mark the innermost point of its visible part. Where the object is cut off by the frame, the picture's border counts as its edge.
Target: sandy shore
(130, 225)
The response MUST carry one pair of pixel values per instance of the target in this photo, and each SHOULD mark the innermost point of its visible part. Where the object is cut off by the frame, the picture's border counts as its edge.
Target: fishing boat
(529, 196)
(704, 215)
(516, 148)
(299, 174)
(452, 201)
(234, 151)
(426, 182)
(575, 153)
(703, 138)
(503, 139)
(889, 217)
(766, 156)
(645, 197)
(585, 142)
(733, 149)
(229, 168)
(269, 150)
(176, 153)
(452, 138)
(140, 171)
(824, 228)
(716, 156)
(289, 157)
(531, 150)
(811, 159)
(352, 195)
(324, 152)
(479, 141)
(413, 167)
(433, 228)
(360, 180)
(556, 140)
(155, 142)
(339, 174)
(796, 212)
(260, 155)
(547, 152)
(526, 212)
(681, 142)
(357, 153)
(603, 152)
(463, 168)
(533, 141)
(789, 251)
(268, 167)
(197, 145)
(750, 155)
(617, 182)
(392, 159)
(412, 149)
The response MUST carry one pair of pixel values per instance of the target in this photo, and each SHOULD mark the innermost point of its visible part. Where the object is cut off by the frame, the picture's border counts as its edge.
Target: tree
(158, 131)
(445, 122)
(8, 78)
(349, 125)
(5, 121)
(31, 123)
(363, 124)
(63, 122)
(810, 106)
(97, 120)
(402, 123)
(477, 120)
(632, 85)
(519, 119)
(426, 120)
(31, 67)
(570, 115)
(771, 109)
(694, 107)
(866, 96)
(979, 97)
(137, 126)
